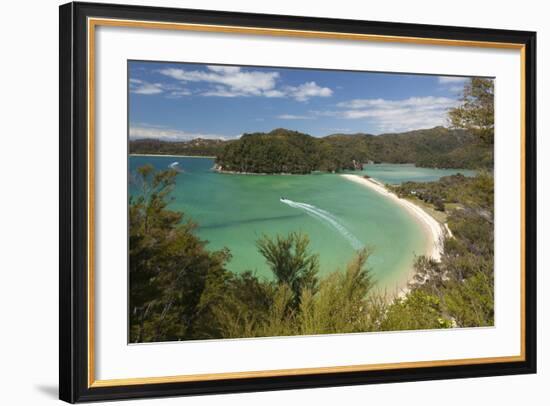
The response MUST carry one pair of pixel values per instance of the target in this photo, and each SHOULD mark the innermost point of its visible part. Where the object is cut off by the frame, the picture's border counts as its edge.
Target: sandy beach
(433, 229)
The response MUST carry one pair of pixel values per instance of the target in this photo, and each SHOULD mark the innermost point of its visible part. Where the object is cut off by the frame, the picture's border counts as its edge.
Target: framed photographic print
(257, 202)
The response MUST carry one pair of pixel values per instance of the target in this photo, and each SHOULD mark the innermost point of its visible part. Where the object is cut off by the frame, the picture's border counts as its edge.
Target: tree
(341, 303)
(476, 112)
(242, 309)
(471, 303)
(251, 307)
(291, 262)
(169, 267)
(418, 310)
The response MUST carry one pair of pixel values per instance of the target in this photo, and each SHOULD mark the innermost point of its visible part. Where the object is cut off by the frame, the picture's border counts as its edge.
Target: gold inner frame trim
(94, 22)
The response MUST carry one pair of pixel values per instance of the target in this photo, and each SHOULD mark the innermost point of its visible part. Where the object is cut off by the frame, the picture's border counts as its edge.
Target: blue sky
(177, 101)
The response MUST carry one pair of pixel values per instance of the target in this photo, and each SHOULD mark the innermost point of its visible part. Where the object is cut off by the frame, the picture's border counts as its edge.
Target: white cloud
(168, 134)
(143, 87)
(396, 115)
(308, 90)
(294, 117)
(232, 81)
(274, 93)
(221, 91)
(428, 102)
(138, 86)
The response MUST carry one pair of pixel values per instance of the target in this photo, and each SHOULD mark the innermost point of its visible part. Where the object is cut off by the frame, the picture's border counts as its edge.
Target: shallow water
(339, 216)
(398, 173)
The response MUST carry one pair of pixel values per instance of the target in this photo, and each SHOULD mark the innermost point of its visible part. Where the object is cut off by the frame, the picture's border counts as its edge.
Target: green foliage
(263, 308)
(475, 192)
(195, 147)
(291, 263)
(471, 303)
(417, 311)
(280, 319)
(280, 151)
(344, 151)
(341, 304)
(285, 151)
(463, 282)
(169, 268)
(437, 147)
(476, 113)
(243, 308)
(428, 273)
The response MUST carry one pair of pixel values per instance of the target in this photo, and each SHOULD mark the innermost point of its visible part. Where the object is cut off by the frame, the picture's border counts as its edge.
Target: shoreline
(434, 230)
(224, 172)
(175, 156)
(218, 169)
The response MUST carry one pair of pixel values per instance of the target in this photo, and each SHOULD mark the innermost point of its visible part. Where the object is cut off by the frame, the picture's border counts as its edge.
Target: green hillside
(195, 147)
(287, 151)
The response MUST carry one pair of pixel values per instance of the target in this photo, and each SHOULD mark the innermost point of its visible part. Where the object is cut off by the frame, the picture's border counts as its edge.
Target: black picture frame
(73, 284)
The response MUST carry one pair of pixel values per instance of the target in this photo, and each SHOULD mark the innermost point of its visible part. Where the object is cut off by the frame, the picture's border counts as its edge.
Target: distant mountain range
(283, 150)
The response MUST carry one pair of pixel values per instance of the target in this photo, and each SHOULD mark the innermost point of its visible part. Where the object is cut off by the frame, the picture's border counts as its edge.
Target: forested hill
(195, 147)
(286, 151)
(279, 151)
(438, 147)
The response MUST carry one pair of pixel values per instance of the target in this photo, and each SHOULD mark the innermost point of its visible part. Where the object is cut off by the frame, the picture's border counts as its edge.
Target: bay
(339, 216)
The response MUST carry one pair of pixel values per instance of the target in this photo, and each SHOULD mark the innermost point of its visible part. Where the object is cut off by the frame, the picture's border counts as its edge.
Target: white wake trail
(328, 218)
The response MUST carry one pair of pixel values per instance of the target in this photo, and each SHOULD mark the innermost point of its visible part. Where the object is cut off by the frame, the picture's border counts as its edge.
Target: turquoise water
(339, 216)
(395, 174)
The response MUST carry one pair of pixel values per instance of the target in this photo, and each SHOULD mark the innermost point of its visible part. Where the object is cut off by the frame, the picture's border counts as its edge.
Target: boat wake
(327, 218)
(175, 166)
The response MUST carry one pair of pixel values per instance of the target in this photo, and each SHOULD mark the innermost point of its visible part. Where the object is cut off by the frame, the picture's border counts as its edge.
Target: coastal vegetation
(438, 147)
(452, 191)
(181, 290)
(280, 151)
(194, 147)
(476, 113)
(461, 286)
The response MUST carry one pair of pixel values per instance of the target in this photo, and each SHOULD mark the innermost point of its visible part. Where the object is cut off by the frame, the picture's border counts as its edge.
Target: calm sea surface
(339, 216)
